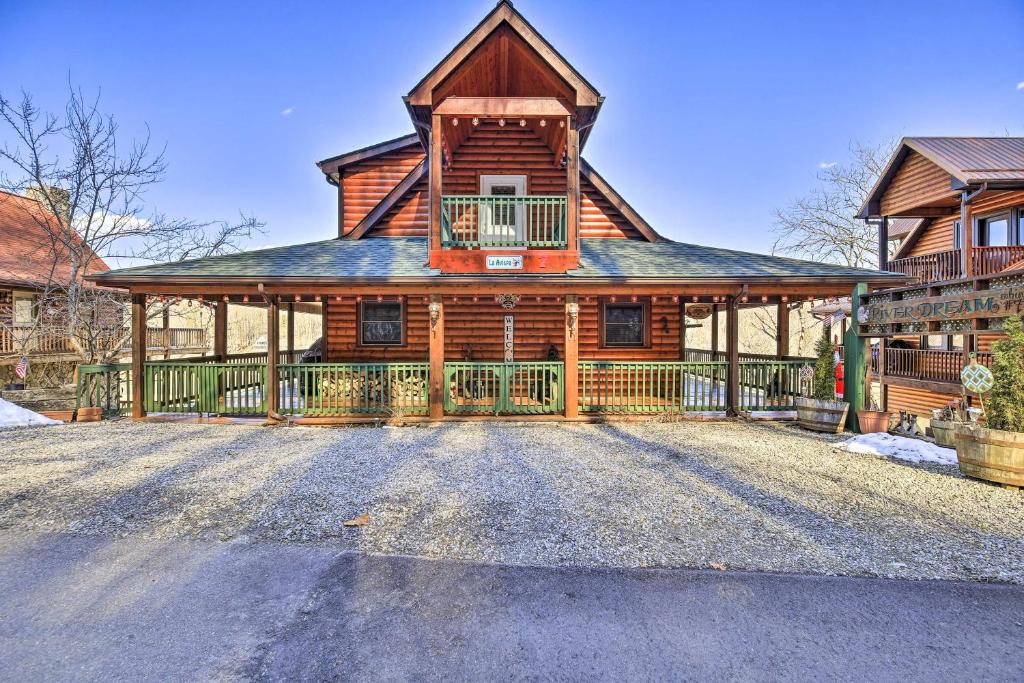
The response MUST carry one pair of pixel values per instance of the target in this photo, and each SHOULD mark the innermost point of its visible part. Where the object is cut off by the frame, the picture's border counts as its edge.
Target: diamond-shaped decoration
(977, 378)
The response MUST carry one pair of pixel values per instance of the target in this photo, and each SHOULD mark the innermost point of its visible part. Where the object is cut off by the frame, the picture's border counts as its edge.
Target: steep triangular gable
(422, 94)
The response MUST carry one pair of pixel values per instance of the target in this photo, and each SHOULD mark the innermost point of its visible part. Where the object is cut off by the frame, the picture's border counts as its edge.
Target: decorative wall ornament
(573, 310)
(698, 311)
(507, 301)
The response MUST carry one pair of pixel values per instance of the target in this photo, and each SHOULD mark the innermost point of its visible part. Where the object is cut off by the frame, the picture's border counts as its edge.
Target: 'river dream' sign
(964, 306)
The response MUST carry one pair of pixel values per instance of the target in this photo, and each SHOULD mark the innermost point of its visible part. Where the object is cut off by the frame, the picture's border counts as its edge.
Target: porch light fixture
(675, 299)
(226, 298)
(654, 299)
(613, 299)
(573, 310)
(316, 298)
(359, 299)
(632, 299)
(298, 297)
(561, 124)
(744, 298)
(695, 299)
(200, 298)
(476, 299)
(764, 299)
(245, 299)
(380, 297)
(785, 299)
(537, 299)
(337, 297)
(435, 313)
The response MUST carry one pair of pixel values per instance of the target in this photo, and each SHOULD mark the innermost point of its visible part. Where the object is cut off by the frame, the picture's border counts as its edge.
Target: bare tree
(91, 187)
(821, 226)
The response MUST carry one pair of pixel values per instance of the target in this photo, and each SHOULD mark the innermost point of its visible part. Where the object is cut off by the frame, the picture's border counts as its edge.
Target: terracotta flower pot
(90, 414)
(944, 432)
(990, 454)
(873, 421)
(821, 416)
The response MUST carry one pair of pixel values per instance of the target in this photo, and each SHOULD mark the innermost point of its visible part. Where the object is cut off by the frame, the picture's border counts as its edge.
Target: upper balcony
(944, 266)
(503, 221)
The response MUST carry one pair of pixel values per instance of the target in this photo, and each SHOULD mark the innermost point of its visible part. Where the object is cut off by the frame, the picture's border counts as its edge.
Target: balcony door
(502, 220)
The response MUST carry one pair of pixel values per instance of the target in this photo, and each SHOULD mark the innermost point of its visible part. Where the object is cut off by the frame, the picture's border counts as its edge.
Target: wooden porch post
(220, 331)
(166, 321)
(273, 351)
(682, 330)
(782, 330)
(732, 336)
(572, 356)
(138, 355)
(291, 331)
(714, 330)
(435, 182)
(572, 200)
(883, 244)
(437, 388)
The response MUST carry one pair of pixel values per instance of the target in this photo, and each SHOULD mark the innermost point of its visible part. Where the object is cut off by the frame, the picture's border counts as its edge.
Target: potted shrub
(872, 420)
(944, 421)
(822, 412)
(995, 451)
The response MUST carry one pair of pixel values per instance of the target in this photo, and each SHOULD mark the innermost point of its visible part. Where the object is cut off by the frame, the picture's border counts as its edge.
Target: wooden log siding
(918, 182)
(509, 150)
(937, 236)
(366, 183)
(342, 334)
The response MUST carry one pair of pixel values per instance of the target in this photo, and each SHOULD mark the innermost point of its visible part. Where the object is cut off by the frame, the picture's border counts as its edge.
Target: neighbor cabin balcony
(55, 344)
(944, 266)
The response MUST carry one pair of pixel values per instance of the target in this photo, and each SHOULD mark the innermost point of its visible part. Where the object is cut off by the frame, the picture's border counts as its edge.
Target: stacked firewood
(372, 388)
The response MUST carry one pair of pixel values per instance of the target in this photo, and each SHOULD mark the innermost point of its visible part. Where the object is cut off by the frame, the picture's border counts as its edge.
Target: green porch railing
(770, 385)
(214, 388)
(320, 389)
(652, 387)
(503, 221)
(107, 386)
(504, 388)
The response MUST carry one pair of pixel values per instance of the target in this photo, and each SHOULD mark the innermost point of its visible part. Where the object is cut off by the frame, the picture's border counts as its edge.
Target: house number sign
(504, 263)
(509, 337)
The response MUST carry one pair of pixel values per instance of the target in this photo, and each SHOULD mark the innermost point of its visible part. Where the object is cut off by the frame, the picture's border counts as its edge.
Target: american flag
(21, 369)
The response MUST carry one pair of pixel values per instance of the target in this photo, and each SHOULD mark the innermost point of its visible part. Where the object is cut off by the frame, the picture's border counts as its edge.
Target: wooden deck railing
(107, 386)
(946, 265)
(503, 221)
(177, 338)
(706, 356)
(43, 342)
(656, 387)
(504, 388)
(210, 388)
(933, 365)
(320, 389)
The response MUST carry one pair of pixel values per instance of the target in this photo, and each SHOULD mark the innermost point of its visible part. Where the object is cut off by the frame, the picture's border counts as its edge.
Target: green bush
(1006, 402)
(825, 370)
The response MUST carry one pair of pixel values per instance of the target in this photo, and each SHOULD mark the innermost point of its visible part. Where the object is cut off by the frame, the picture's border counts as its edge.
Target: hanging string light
(501, 122)
(455, 122)
(522, 123)
(543, 123)
(476, 121)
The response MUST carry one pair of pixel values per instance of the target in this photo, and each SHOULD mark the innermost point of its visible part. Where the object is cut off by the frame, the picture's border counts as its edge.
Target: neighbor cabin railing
(937, 267)
(504, 388)
(177, 338)
(654, 387)
(933, 365)
(325, 389)
(107, 386)
(210, 388)
(991, 260)
(503, 221)
(706, 356)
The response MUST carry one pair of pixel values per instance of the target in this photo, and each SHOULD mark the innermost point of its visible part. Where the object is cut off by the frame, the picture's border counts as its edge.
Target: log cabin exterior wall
(365, 184)
(938, 234)
(918, 182)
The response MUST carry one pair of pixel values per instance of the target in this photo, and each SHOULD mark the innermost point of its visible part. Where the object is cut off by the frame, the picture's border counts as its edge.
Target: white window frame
(518, 232)
(31, 299)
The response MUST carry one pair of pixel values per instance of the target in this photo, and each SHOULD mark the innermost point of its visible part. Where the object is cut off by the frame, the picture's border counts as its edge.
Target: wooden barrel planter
(873, 421)
(90, 414)
(990, 454)
(821, 416)
(944, 433)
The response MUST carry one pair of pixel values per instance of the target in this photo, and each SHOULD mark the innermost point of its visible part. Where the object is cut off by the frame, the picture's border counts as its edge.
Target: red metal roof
(975, 160)
(26, 250)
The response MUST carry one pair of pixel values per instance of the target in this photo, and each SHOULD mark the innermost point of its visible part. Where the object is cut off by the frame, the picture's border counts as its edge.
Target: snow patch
(899, 447)
(15, 416)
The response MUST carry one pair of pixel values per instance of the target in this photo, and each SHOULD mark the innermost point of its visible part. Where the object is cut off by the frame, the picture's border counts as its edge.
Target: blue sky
(716, 114)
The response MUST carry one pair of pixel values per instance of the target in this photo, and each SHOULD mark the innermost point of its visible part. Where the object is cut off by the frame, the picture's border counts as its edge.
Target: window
(24, 309)
(381, 323)
(958, 235)
(625, 324)
(994, 231)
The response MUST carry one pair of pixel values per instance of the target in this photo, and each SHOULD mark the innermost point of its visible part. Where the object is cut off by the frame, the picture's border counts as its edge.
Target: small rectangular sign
(504, 263)
(509, 337)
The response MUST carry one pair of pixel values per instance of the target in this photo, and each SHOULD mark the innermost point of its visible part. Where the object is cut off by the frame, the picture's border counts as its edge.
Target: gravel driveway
(723, 495)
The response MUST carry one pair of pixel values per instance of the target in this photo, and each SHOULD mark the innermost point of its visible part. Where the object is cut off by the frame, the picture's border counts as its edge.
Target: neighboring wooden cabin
(956, 206)
(483, 255)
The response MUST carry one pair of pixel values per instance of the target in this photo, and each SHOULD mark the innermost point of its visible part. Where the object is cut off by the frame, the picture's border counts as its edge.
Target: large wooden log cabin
(954, 206)
(483, 266)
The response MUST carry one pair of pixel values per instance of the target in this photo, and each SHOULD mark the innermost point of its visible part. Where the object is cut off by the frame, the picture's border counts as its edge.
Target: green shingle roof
(405, 257)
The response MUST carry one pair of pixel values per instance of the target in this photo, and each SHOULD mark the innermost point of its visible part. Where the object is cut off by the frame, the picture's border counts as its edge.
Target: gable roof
(404, 258)
(969, 161)
(504, 13)
(333, 165)
(27, 249)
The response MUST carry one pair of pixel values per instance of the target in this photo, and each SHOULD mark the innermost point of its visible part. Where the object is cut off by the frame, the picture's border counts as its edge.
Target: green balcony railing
(481, 221)
(210, 388)
(325, 389)
(107, 386)
(654, 387)
(504, 388)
